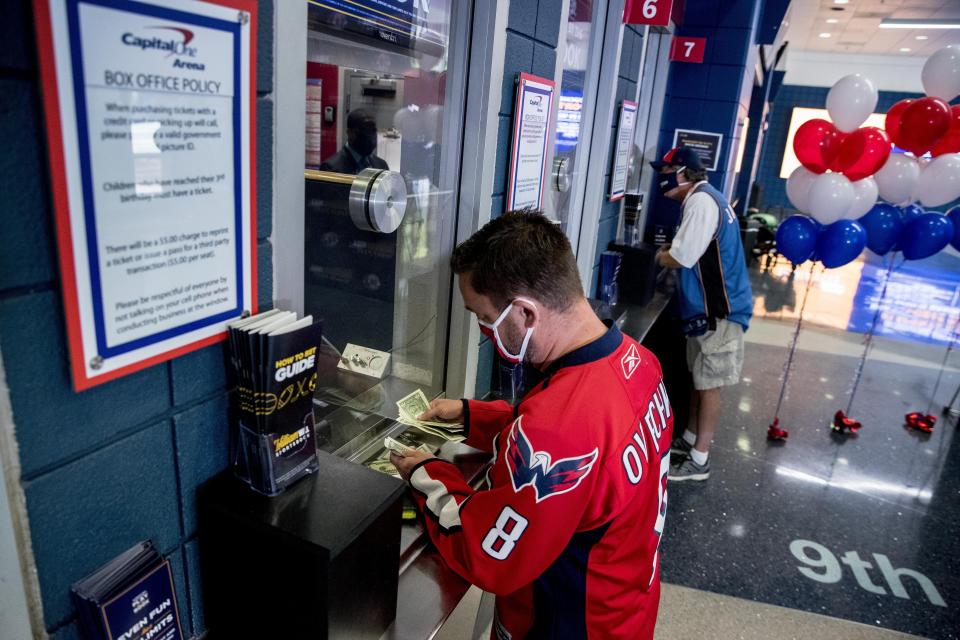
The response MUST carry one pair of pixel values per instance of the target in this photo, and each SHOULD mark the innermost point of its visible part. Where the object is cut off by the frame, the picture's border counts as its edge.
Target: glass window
(377, 117)
(570, 107)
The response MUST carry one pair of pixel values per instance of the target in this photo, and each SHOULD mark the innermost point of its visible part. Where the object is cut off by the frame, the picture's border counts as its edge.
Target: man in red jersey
(567, 534)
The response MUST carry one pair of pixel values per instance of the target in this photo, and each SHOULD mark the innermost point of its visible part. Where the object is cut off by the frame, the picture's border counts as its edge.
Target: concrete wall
(104, 468)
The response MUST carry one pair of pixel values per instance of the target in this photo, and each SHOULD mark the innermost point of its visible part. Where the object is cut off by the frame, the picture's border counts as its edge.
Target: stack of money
(382, 462)
(414, 404)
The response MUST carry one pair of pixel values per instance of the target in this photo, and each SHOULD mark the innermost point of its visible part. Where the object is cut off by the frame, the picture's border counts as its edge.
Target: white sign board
(621, 157)
(149, 112)
(531, 129)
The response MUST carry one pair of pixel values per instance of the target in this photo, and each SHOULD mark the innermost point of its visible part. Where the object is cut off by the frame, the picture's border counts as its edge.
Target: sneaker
(689, 470)
(680, 447)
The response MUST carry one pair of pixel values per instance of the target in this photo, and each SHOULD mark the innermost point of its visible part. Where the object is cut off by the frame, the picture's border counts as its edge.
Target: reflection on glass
(377, 74)
(570, 106)
(147, 162)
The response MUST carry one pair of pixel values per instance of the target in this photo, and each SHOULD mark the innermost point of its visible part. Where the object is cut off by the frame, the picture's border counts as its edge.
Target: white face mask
(490, 330)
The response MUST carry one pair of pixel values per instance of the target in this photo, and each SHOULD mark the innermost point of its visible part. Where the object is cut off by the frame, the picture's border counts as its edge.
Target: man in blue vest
(716, 301)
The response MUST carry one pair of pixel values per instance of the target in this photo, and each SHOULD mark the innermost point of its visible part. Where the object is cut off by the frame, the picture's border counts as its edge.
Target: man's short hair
(521, 253)
(695, 175)
(359, 118)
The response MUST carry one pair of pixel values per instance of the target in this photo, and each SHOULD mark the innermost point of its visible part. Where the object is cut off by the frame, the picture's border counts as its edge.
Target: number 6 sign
(687, 49)
(652, 12)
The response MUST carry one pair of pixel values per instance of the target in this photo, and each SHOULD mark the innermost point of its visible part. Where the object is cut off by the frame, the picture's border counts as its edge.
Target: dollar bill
(397, 447)
(412, 405)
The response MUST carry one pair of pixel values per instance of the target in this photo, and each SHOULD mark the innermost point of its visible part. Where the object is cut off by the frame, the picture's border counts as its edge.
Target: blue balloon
(883, 225)
(926, 235)
(797, 238)
(840, 242)
(911, 212)
(954, 216)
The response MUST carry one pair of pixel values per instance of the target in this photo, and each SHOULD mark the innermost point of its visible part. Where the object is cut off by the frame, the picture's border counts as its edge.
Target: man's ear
(530, 310)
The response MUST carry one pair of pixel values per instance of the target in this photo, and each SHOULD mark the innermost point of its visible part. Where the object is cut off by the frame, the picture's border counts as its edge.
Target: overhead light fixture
(923, 37)
(840, 1)
(913, 23)
(904, 49)
(832, 21)
(824, 35)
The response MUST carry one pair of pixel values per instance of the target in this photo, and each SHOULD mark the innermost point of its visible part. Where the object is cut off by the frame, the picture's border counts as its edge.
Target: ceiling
(856, 29)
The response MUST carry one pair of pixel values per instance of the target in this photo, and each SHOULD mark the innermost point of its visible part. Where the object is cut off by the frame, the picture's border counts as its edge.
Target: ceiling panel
(856, 29)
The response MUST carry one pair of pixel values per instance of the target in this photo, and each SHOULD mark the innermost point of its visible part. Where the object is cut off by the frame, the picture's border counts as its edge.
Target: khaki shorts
(716, 357)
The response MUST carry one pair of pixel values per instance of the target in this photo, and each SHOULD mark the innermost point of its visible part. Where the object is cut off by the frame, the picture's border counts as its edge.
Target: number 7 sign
(687, 49)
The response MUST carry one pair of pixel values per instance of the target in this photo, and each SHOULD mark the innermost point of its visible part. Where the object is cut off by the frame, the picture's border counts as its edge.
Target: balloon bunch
(845, 167)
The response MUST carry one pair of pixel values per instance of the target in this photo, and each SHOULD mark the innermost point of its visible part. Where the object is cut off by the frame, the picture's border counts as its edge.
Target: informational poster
(314, 120)
(621, 156)
(705, 143)
(531, 131)
(150, 120)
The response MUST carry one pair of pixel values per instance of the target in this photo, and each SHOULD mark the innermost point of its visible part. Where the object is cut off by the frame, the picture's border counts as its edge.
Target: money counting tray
(321, 560)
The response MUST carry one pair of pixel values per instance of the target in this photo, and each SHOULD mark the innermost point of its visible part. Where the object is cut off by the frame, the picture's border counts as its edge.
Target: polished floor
(864, 527)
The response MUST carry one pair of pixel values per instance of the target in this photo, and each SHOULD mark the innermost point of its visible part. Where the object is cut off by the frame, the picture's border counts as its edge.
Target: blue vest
(717, 286)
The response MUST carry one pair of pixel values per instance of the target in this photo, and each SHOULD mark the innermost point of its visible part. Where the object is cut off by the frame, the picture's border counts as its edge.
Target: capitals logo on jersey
(529, 467)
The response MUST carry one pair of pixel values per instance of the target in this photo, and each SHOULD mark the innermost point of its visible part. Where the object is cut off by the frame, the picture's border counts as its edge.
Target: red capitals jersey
(567, 534)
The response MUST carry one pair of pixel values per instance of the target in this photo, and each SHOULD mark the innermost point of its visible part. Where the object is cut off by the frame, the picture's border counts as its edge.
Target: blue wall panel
(533, 30)
(107, 467)
(84, 513)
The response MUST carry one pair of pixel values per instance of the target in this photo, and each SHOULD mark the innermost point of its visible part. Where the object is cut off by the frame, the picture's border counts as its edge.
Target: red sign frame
(685, 49)
(61, 206)
(639, 12)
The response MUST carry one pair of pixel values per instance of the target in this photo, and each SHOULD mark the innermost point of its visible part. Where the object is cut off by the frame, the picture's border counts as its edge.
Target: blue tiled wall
(715, 95)
(775, 139)
(533, 30)
(104, 468)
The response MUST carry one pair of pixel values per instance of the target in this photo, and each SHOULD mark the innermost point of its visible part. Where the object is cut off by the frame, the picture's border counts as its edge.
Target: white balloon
(939, 182)
(851, 100)
(897, 178)
(941, 73)
(864, 197)
(830, 197)
(798, 187)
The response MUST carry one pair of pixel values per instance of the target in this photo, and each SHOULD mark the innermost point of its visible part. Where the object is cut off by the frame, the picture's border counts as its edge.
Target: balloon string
(943, 365)
(868, 339)
(788, 365)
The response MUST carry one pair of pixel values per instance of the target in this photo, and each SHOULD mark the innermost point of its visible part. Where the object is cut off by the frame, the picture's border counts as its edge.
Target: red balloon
(923, 123)
(863, 152)
(816, 143)
(950, 142)
(892, 121)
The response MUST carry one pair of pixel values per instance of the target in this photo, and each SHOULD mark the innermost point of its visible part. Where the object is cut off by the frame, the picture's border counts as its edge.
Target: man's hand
(405, 464)
(664, 259)
(443, 409)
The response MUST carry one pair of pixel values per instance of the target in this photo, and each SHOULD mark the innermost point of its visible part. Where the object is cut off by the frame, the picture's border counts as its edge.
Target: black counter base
(319, 561)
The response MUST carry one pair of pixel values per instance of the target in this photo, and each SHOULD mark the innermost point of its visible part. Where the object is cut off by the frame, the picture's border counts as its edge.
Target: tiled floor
(864, 527)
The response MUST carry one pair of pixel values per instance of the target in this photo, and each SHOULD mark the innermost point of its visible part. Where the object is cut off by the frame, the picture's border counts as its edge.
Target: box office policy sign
(531, 131)
(150, 120)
